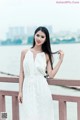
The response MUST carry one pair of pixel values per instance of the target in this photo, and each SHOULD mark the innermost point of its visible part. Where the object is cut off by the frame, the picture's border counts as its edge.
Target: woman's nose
(39, 38)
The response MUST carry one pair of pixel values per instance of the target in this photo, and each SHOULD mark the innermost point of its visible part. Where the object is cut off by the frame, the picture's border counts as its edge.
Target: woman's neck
(37, 48)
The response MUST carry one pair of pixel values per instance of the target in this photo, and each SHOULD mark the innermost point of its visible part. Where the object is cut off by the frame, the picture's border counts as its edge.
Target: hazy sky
(38, 12)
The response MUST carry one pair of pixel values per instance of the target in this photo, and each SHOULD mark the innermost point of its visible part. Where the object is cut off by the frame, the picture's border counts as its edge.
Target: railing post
(62, 110)
(78, 110)
(2, 103)
(15, 108)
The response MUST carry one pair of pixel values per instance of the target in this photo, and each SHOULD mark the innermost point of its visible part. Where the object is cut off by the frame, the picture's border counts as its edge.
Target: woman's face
(40, 38)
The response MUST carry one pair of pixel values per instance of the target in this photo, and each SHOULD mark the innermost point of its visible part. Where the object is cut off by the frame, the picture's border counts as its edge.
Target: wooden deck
(62, 99)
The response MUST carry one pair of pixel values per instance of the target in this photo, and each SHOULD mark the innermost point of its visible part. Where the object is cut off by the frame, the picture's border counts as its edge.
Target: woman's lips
(38, 41)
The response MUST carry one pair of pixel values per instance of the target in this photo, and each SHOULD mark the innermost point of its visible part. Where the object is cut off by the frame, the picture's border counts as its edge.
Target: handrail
(63, 82)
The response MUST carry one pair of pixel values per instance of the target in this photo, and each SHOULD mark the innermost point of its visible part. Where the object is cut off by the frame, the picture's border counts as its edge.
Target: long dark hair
(46, 45)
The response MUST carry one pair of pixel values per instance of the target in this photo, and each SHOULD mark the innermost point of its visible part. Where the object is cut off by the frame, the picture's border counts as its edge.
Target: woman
(34, 95)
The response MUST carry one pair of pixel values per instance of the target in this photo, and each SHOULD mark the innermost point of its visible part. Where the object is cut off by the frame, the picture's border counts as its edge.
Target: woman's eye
(42, 36)
(37, 35)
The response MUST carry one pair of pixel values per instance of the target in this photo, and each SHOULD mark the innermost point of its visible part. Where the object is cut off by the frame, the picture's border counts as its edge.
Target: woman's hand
(20, 97)
(61, 55)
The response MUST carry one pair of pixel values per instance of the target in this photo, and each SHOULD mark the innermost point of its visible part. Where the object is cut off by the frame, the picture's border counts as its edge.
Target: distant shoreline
(31, 44)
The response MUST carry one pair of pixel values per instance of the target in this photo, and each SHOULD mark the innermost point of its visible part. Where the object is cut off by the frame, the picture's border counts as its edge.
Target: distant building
(17, 33)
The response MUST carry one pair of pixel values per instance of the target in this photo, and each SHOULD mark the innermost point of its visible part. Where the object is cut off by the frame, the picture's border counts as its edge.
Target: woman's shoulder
(23, 52)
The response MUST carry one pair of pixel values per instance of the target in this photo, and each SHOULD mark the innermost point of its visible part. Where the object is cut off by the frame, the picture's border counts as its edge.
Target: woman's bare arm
(21, 75)
(53, 72)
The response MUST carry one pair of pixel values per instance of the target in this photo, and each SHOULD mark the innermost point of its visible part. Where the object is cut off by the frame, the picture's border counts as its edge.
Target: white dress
(37, 100)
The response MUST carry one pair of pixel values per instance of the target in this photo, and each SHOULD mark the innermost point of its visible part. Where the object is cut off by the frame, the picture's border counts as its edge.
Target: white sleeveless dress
(37, 100)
